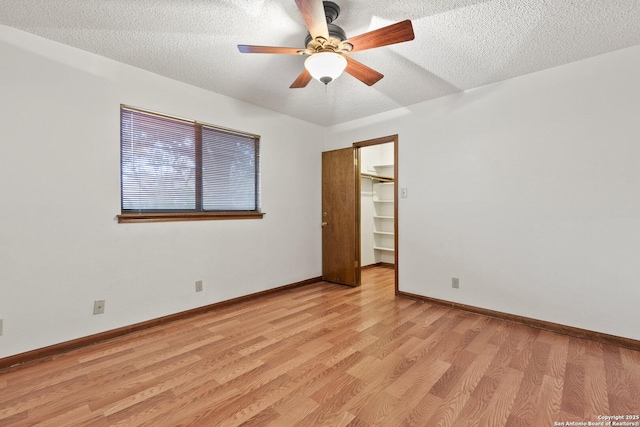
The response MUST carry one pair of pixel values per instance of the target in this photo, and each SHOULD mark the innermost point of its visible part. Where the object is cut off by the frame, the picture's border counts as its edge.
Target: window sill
(184, 216)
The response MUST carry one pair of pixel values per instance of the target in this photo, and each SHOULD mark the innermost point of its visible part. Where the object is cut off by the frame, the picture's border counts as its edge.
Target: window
(174, 169)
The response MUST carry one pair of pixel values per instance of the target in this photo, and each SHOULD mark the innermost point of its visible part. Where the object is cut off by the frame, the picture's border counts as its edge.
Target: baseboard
(378, 264)
(534, 323)
(41, 353)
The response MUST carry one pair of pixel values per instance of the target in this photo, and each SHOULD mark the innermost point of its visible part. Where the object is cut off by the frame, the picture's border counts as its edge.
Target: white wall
(60, 247)
(528, 190)
(376, 155)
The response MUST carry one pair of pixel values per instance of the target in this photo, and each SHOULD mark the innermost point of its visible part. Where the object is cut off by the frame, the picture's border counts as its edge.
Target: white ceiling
(459, 44)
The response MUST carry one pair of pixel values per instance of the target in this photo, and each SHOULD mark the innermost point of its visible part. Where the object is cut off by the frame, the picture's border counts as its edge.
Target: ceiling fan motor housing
(331, 12)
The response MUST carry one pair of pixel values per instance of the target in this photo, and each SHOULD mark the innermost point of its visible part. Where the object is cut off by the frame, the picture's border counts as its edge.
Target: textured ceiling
(459, 44)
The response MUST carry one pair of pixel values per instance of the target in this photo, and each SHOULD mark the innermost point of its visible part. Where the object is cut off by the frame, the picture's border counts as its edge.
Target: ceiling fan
(329, 50)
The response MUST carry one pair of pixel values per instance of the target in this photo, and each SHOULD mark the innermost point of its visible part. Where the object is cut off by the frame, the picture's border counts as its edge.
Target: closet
(377, 207)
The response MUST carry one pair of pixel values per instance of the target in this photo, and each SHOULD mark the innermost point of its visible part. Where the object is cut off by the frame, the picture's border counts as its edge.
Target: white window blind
(175, 165)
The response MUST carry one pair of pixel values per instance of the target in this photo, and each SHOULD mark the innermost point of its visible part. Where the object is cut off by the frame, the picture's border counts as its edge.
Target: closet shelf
(381, 207)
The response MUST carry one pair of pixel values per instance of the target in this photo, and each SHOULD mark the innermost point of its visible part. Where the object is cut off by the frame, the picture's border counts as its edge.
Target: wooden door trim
(358, 224)
(357, 146)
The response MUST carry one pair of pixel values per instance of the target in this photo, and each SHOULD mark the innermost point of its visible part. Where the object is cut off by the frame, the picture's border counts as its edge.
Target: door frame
(357, 146)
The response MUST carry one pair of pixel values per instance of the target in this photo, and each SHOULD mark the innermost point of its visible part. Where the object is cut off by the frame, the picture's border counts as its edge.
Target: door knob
(324, 224)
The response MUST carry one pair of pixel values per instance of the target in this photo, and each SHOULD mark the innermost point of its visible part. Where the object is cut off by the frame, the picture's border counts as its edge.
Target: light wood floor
(328, 355)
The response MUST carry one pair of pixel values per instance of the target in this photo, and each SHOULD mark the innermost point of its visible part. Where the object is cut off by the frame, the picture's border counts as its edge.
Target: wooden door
(340, 224)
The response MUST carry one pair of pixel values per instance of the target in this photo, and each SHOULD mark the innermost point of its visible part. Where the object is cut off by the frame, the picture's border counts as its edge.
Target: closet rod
(376, 177)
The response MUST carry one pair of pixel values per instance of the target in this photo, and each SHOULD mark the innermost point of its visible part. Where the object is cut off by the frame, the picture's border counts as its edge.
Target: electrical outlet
(98, 306)
(1, 320)
(455, 282)
(198, 285)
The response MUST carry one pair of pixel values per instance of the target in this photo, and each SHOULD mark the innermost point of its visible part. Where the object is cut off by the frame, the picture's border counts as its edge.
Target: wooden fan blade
(312, 12)
(270, 49)
(302, 81)
(394, 33)
(361, 72)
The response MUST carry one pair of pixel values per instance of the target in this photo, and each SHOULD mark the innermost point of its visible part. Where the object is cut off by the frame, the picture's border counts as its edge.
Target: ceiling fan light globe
(325, 66)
